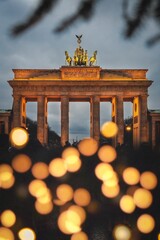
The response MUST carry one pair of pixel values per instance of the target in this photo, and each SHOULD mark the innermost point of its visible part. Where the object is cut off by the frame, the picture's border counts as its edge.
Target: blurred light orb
(82, 197)
(21, 163)
(127, 204)
(88, 146)
(64, 192)
(110, 192)
(107, 154)
(26, 234)
(131, 176)
(9, 182)
(70, 154)
(80, 211)
(69, 222)
(145, 223)
(58, 202)
(19, 137)
(40, 170)
(103, 171)
(148, 180)
(79, 236)
(94, 207)
(57, 167)
(109, 129)
(43, 208)
(142, 198)
(112, 181)
(6, 234)
(73, 166)
(121, 232)
(8, 218)
(37, 188)
(45, 197)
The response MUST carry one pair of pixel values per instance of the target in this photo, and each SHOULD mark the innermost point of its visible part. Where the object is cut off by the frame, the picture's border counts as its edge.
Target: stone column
(41, 120)
(16, 111)
(136, 122)
(23, 112)
(143, 119)
(91, 117)
(119, 119)
(95, 123)
(64, 119)
(153, 131)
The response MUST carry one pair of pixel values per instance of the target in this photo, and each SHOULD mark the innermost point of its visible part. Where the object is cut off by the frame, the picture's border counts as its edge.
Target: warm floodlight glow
(131, 176)
(82, 197)
(110, 192)
(80, 211)
(64, 192)
(6, 234)
(142, 198)
(43, 208)
(127, 204)
(109, 129)
(19, 137)
(57, 167)
(79, 236)
(27, 234)
(148, 180)
(8, 218)
(107, 153)
(122, 232)
(145, 223)
(88, 146)
(21, 163)
(40, 170)
(37, 188)
(103, 171)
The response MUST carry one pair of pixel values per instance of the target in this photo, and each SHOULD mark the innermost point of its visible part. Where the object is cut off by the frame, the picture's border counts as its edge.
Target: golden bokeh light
(122, 232)
(19, 137)
(37, 188)
(110, 192)
(73, 166)
(43, 208)
(6, 234)
(26, 234)
(112, 181)
(79, 236)
(69, 222)
(82, 197)
(107, 153)
(57, 168)
(127, 204)
(142, 198)
(88, 146)
(103, 171)
(80, 211)
(45, 196)
(21, 163)
(131, 176)
(40, 170)
(8, 218)
(145, 223)
(6, 184)
(64, 192)
(70, 154)
(109, 129)
(148, 180)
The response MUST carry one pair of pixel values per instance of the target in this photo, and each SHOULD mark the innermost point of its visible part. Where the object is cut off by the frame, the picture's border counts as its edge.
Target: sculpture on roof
(80, 57)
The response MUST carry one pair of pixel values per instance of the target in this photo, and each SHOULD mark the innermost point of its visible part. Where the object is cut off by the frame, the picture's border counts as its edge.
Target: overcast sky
(39, 48)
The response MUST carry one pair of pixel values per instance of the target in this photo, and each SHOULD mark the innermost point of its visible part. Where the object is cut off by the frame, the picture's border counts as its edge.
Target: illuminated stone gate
(82, 81)
(91, 84)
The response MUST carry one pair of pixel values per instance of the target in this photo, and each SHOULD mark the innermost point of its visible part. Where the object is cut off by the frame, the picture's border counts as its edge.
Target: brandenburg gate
(81, 80)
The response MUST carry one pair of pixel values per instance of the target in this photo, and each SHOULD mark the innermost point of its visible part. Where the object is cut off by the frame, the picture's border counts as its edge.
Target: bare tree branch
(44, 7)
